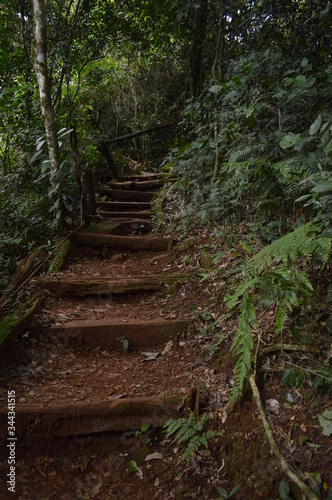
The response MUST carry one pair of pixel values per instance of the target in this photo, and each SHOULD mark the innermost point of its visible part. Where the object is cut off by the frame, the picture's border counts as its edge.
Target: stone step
(126, 214)
(106, 332)
(36, 423)
(121, 206)
(108, 286)
(120, 194)
(126, 243)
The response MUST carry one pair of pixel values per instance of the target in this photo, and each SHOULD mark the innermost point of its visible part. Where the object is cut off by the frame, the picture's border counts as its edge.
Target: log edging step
(122, 206)
(106, 332)
(34, 422)
(126, 214)
(116, 242)
(84, 287)
(123, 195)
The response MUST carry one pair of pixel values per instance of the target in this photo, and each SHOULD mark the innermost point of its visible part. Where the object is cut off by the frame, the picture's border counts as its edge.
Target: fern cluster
(190, 431)
(272, 277)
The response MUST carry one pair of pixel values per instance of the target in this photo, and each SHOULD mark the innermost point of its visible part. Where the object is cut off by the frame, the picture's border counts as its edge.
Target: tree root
(282, 347)
(311, 495)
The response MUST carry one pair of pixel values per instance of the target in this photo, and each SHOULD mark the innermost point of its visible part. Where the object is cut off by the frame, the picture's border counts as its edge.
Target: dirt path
(106, 362)
(134, 331)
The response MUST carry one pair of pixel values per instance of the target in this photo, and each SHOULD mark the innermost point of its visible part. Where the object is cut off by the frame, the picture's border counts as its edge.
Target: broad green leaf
(215, 89)
(289, 377)
(314, 127)
(300, 82)
(284, 489)
(289, 140)
(304, 62)
(230, 95)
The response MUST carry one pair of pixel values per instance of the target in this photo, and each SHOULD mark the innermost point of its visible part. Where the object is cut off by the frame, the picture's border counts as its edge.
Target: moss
(59, 258)
(13, 320)
(185, 245)
(158, 205)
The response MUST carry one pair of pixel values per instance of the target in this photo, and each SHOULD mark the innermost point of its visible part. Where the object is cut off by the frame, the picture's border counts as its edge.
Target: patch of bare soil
(42, 369)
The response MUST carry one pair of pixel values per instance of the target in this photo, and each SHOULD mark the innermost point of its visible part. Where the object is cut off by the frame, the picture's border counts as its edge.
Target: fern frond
(243, 344)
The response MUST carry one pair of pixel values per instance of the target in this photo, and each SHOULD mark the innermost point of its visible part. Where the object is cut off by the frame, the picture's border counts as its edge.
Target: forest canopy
(245, 86)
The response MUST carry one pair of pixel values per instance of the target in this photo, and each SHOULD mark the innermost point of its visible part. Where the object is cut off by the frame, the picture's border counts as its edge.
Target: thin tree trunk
(196, 49)
(40, 64)
(216, 68)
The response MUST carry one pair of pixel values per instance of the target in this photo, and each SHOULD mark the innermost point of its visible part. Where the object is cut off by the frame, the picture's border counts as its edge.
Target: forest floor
(144, 463)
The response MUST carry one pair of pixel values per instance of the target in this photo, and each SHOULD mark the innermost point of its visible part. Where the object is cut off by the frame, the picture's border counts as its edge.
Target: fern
(189, 430)
(279, 286)
(243, 344)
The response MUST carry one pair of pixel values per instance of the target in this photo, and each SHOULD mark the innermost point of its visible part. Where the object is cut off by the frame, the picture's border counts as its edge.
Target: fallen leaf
(273, 406)
(150, 356)
(154, 456)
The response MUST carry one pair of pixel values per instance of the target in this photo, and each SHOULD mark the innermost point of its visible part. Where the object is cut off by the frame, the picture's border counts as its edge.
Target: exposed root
(311, 495)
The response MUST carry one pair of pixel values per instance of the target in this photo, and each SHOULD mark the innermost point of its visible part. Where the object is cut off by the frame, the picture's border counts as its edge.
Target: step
(118, 194)
(36, 423)
(145, 177)
(85, 287)
(106, 332)
(139, 185)
(128, 243)
(120, 227)
(120, 206)
(125, 214)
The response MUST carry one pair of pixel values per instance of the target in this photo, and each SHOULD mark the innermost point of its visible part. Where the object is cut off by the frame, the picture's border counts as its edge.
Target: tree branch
(139, 132)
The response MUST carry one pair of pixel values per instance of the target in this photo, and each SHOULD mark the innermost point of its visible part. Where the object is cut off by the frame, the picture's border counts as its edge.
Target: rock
(206, 260)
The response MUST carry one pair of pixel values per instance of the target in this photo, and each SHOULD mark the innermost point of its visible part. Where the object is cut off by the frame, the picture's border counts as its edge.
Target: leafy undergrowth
(283, 304)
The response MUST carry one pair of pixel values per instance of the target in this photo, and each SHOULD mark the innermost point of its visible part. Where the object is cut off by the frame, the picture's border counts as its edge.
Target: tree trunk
(40, 64)
(196, 48)
(104, 150)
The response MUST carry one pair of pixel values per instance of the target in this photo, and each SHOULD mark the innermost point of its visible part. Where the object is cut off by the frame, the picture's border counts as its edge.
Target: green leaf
(289, 377)
(235, 490)
(125, 344)
(215, 89)
(222, 492)
(289, 140)
(300, 82)
(132, 466)
(250, 111)
(325, 421)
(284, 489)
(230, 95)
(304, 62)
(145, 427)
(314, 127)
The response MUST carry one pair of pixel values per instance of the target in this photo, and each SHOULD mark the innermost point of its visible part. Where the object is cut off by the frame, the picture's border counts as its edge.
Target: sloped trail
(85, 379)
